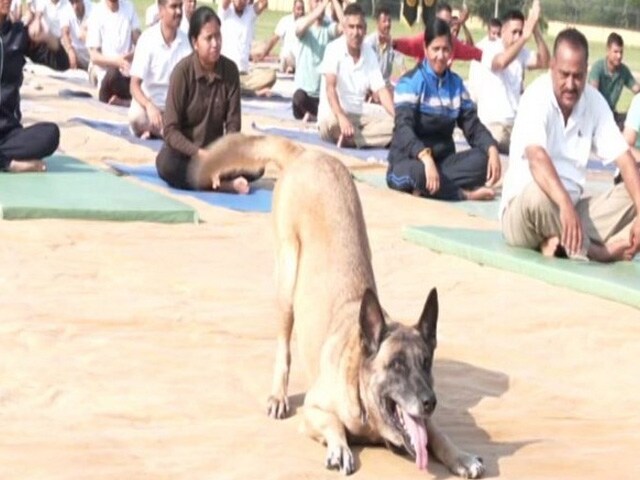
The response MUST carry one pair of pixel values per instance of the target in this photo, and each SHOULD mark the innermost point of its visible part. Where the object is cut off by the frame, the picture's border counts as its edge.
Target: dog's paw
(468, 466)
(277, 407)
(339, 457)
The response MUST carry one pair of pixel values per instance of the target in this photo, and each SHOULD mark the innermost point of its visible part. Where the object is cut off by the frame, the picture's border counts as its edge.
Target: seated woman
(203, 103)
(23, 148)
(429, 101)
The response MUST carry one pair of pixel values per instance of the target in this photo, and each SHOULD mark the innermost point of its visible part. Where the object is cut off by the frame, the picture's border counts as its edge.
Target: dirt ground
(144, 351)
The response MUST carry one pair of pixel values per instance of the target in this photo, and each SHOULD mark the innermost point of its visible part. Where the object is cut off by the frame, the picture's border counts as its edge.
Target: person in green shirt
(609, 75)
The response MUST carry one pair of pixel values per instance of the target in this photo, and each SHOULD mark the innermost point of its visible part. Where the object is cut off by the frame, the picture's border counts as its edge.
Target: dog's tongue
(418, 433)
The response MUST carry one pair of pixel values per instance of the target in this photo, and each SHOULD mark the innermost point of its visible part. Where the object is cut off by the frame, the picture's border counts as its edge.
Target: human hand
(532, 20)
(464, 14)
(431, 173)
(155, 117)
(634, 240)
(494, 167)
(346, 127)
(571, 237)
(124, 66)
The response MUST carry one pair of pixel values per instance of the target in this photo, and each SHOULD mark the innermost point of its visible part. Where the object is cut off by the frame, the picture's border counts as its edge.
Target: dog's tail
(237, 154)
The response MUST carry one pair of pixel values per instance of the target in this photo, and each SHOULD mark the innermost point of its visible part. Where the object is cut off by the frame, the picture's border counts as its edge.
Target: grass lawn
(267, 22)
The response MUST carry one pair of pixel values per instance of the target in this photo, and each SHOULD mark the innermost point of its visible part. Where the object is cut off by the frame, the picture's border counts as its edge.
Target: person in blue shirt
(430, 101)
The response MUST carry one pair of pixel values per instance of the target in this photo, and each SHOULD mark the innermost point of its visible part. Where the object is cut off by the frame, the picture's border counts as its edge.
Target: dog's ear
(372, 324)
(429, 318)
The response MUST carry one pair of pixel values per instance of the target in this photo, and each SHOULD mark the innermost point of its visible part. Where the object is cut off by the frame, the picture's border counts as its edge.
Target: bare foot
(482, 193)
(611, 252)
(23, 166)
(549, 246)
(264, 92)
(238, 185)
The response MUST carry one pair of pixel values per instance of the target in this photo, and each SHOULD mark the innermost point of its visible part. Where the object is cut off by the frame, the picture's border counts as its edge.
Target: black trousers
(114, 83)
(302, 103)
(173, 168)
(28, 143)
(464, 170)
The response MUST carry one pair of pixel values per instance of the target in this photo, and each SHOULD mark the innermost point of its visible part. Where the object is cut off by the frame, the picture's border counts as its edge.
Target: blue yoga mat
(120, 130)
(258, 200)
(313, 138)
(266, 108)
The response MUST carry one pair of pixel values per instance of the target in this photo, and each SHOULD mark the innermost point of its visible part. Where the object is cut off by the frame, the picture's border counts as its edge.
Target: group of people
(186, 88)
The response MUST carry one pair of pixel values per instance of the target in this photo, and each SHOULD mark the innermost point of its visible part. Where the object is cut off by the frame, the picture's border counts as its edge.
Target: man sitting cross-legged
(349, 73)
(559, 121)
(159, 49)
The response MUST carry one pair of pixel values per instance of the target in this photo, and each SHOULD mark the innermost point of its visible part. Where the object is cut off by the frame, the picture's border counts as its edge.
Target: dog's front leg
(327, 428)
(458, 461)
(286, 273)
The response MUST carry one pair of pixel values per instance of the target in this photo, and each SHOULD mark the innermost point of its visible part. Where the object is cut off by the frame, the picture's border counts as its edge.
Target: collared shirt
(312, 47)
(237, 34)
(385, 54)
(610, 83)
(540, 122)
(354, 79)
(154, 60)
(201, 107)
(76, 25)
(286, 30)
(633, 118)
(53, 14)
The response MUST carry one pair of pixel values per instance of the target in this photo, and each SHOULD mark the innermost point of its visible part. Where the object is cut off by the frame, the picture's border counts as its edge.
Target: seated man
(413, 46)
(159, 49)
(505, 62)
(349, 72)
(238, 27)
(48, 14)
(74, 33)
(609, 75)
(559, 122)
(285, 31)
(380, 43)
(315, 32)
(23, 148)
(111, 37)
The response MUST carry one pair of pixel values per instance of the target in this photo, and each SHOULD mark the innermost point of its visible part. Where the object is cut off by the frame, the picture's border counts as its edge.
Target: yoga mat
(266, 108)
(120, 130)
(619, 282)
(258, 200)
(73, 189)
(488, 209)
(312, 137)
(69, 93)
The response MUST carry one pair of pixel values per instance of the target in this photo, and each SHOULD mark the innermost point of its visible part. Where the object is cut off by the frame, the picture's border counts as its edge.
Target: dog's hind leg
(286, 273)
(461, 463)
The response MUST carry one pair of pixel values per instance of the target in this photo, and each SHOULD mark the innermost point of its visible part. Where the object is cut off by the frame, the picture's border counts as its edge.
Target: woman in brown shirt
(203, 104)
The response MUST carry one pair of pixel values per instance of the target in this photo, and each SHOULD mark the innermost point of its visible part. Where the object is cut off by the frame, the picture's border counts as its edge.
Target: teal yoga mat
(619, 282)
(73, 189)
(488, 210)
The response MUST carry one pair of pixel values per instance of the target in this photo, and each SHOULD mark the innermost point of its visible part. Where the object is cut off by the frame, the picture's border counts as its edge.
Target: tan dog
(370, 378)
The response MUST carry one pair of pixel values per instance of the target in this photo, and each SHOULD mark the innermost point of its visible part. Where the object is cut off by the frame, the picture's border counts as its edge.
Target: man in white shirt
(159, 49)
(74, 33)
(560, 120)
(48, 14)
(349, 72)
(285, 31)
(113, 31)
(505, 62)
(238, 28)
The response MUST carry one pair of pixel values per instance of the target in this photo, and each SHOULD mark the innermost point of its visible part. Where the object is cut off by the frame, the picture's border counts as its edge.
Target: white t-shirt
(70, 19)
(111, 31)
(500, 91)
(353, 79)
(540, 122)
(53, 14)
(237, 34)
(154, 61)
(286, 30)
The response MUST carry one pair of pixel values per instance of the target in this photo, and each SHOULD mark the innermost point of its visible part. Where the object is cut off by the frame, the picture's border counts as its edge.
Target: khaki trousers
(532, 217)
(370, 131)
(257, 79)
(139, 120)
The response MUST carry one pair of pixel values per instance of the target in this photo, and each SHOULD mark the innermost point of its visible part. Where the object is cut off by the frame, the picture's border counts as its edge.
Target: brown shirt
(201, 107)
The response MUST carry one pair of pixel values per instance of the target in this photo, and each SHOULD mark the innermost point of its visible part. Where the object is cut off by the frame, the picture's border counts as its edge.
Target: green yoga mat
(487, 210)
(73, 189)
(619, 282)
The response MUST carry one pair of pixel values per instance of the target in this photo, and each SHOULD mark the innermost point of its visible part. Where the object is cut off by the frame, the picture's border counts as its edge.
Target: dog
(369, 377)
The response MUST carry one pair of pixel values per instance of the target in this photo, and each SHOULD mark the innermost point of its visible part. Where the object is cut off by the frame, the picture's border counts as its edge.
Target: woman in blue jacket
(22, 148)
(429, 101)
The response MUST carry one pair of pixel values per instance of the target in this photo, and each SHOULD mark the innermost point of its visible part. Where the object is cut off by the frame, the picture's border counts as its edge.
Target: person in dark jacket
(429, 101)
(23, 148)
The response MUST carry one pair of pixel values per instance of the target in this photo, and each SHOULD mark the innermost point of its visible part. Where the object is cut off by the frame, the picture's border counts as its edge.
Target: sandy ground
(144, 351)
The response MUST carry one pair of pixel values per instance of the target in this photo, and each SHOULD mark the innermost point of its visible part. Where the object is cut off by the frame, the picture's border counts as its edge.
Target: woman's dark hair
(200, 17)
(435, 29)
